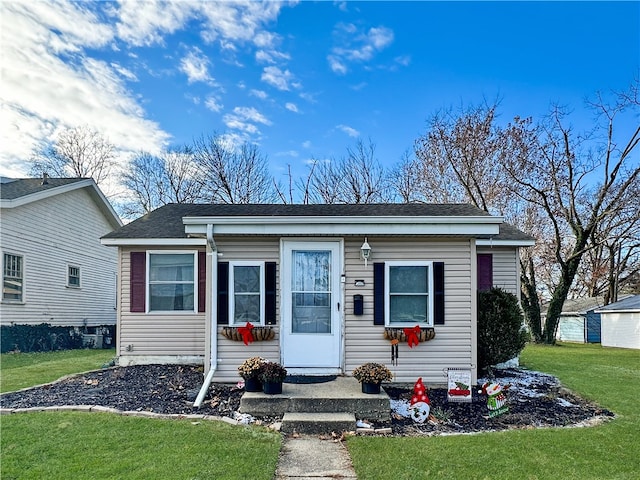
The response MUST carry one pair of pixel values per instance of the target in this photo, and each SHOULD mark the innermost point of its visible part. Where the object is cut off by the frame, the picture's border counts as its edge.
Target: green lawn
(610, 377)
(20, 370)
(63, 445)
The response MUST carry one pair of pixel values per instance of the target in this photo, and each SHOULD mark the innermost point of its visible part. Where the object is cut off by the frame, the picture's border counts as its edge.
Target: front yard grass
(21, 370)
(607, 376)
(64, 445)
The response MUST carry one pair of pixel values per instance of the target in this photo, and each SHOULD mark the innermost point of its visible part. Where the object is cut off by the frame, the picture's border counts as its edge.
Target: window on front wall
(73, 276)
(13, 278)
(171, 282)
(408, 291)
(246, 296)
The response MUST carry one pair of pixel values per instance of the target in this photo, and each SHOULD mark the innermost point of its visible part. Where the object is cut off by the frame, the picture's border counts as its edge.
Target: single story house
(579, 321)
(621, 323)
(55, 269)
(326, 287)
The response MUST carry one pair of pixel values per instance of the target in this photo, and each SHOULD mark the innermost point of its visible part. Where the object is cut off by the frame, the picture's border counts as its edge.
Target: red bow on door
(245, 331)
(412, 334)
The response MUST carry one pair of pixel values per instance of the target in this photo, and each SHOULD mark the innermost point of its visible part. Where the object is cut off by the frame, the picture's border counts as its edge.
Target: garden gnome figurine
(419, 406)
(496, 399)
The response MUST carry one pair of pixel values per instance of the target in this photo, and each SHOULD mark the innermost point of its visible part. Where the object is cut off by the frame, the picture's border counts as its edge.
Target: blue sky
(303, 80)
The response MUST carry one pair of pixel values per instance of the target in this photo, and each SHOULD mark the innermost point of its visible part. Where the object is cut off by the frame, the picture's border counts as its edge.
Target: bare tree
(357, 178)
(231, 174)
(406, 181)
(560, 181)
(77, 152)
(153, 181)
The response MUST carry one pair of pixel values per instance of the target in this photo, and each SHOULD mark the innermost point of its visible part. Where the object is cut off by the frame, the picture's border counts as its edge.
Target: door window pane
(311, 291)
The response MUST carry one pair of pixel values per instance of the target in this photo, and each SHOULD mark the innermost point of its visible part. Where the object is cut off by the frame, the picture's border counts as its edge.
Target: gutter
(213, 340)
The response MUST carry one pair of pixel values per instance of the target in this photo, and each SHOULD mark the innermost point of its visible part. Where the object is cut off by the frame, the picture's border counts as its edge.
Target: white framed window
(408, 292)
(12, 278)
(246, 292)
(171, 281)
(73, 276)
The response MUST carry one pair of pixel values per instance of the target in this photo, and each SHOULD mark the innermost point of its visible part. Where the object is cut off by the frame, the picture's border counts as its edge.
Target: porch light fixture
(365, 251)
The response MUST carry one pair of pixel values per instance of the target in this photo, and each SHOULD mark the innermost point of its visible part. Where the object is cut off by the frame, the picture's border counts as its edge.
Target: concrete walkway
(309, 457)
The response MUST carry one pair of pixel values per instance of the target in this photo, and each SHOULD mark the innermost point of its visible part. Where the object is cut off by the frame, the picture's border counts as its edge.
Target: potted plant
(272, 374)
(249, 370)
(371, 375)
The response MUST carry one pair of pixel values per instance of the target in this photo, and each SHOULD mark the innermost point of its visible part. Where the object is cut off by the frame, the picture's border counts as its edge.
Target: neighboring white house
(326, 287)
(55, 270)
(621, 323)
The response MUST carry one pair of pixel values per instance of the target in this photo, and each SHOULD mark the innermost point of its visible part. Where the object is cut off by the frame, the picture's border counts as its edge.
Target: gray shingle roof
(12, 189)
(629, 303)
(166, 221)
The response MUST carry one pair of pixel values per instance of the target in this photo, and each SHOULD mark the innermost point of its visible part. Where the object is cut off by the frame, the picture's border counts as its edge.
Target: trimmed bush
(38, 338)
(501, 336)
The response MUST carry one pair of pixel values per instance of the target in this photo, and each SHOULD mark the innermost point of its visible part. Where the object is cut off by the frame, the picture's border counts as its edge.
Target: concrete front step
(318, 423)
(342, 395)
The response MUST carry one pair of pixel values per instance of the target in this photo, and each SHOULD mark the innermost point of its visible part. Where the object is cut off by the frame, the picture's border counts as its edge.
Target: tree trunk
(530, 301)
(558, 298)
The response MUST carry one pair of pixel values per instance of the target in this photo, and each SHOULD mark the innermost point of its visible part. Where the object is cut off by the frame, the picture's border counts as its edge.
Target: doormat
(309, 378)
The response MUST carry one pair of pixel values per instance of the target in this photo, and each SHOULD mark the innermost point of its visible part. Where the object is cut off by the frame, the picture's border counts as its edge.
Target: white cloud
(277, 78)
(43, 92)
(356, 46)
(352, 132)
(291, 107)
(271, 56)
(125, 72)
(146, 23)
(306, 144)
(213, 104)
(261, 94)
(245, 119)
(195, 65)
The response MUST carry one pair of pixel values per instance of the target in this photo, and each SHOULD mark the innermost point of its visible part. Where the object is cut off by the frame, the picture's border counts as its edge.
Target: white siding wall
(144, 336)
(51, 234)
(452, 346)
(232, 353)
(505, 268)
(621, 329)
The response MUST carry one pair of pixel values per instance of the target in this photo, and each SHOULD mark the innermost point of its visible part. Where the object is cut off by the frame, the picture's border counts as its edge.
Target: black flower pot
(252, 384)
(272, 388)
(370, 387)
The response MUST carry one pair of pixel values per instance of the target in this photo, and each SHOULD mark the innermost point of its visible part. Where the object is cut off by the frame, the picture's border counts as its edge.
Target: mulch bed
(535, 400)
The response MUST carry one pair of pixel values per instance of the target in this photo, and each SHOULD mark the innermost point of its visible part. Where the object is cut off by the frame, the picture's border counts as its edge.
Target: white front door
(311, 310)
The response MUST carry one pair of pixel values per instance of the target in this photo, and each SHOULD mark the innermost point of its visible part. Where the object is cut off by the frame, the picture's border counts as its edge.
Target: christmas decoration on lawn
(420, 405)
(496, 399)
(459, 385)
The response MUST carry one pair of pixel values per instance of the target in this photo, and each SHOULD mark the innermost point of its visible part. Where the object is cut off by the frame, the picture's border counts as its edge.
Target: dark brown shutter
(202, 281)
(378, 293)
(485, 271)
(138, 277)
(438, 293)
(270, 293)
(223, 293)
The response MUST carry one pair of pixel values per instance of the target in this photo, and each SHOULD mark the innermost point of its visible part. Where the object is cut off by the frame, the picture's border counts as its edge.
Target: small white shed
(621, 323)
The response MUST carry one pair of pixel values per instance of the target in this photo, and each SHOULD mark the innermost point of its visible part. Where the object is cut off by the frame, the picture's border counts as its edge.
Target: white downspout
(213, 304)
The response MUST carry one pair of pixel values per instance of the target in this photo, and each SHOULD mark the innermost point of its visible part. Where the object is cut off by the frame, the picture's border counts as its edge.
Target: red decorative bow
(412, 335)
(245, 331)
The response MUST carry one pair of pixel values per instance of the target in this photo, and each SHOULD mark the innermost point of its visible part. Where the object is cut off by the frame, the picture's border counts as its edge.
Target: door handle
(338, 306)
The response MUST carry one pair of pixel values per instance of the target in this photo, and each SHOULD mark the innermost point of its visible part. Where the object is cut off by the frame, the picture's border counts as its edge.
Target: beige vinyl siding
(452, 345)
(51, 234)
(232, 353)
(155, 334)
(506, 268)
